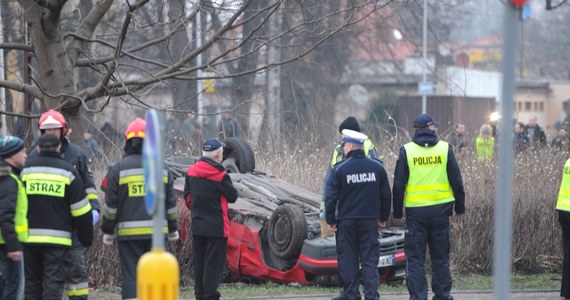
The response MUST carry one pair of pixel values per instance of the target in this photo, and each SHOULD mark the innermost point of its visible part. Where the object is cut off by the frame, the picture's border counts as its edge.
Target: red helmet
(53, 119)
(136, 129)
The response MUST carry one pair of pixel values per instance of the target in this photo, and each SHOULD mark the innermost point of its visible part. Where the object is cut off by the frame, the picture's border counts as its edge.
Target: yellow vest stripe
(78, 292)
(137, 179)
(46, 177)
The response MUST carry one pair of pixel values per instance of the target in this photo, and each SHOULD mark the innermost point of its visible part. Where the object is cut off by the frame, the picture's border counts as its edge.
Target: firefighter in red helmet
(53, 122)
(123, 212)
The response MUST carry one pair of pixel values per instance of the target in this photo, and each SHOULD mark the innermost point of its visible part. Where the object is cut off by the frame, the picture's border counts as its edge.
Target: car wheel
(286, 232)
(241, 153)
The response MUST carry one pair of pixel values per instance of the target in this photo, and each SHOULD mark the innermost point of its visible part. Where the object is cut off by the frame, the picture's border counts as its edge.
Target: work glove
(95, 216)
(173, 236)
(108, 239)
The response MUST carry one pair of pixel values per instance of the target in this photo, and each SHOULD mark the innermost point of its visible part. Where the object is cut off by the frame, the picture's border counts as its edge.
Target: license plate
(386, 261)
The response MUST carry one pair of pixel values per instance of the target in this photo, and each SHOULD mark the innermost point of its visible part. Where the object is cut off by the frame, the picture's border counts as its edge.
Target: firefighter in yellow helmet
(53, 122)
(57, 207)
(124, 212)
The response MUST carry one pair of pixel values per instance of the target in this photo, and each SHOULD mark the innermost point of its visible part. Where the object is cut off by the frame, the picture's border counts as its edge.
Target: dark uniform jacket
(72, 154)
(427, 138)
(124, 200)
(56, 208)
(207, 191)
(358, 188)
(8, 200)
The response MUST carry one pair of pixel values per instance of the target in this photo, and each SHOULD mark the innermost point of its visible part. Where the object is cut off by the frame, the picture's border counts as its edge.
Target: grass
(543, 281)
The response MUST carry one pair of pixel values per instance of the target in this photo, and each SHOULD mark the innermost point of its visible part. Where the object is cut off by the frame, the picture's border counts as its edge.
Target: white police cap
(353, 137)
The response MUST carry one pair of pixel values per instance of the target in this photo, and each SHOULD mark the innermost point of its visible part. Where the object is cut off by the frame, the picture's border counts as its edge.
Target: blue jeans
(12, 282)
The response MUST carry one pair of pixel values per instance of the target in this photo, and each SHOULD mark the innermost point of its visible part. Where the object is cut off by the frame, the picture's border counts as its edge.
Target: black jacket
(207, 190)
(55, 212)
(8, 200)
(358, 188)
(125, 207)
(72, 154)
(427, 138)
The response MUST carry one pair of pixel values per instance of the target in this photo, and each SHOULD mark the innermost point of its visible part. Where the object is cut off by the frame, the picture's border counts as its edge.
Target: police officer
(337, 156)
(427, 180)
(13, 221)
(53, 122)
(563, 208)
(57, 205)
(358, 201)
(125, 211)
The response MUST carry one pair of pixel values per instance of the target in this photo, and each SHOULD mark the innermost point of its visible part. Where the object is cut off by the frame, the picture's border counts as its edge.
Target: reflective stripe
(131, 179)
(80, 208)
(49, 236)
(110, 213)
(137, 175)
(91, 194)
(563, 202)
(139, 134)
(78, 289)
(137, 228)
(78, 292)
(48, 170)
(50, 232)
(417, 188)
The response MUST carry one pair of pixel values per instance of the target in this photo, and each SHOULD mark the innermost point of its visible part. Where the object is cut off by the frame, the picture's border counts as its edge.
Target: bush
(536, 234)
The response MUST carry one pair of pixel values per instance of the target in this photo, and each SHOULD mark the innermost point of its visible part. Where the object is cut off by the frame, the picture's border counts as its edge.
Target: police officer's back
(427, 180)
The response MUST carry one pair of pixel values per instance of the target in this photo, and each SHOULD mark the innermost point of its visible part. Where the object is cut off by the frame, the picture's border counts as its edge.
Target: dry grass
(536, 233)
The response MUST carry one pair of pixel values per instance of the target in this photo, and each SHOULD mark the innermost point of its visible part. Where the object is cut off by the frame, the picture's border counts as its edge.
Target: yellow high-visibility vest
(337, 154)
(20, 220)
(485, 148)
(563, 202)
(428, 183)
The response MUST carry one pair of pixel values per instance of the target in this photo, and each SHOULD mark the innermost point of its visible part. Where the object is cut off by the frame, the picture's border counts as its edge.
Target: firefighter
(13, 221)
(427, 180)
(125, 212)
(53, 122)
(57, 207)
(563, 209)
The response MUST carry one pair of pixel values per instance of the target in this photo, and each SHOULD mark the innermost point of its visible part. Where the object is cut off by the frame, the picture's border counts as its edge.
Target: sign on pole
(425, 88)
(158, 273)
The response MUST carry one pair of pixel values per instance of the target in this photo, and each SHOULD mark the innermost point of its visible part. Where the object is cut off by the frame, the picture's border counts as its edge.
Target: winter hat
(349, 123)
(10, 145)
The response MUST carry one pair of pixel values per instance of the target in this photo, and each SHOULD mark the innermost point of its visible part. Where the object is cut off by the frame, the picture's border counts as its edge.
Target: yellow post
(158, 276)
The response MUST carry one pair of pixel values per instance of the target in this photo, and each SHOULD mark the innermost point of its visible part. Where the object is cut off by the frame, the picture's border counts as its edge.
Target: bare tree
(131, 47)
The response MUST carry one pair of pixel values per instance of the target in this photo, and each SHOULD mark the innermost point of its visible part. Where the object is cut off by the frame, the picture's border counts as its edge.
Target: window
(519, 106)
(527, 106)
(541, 107)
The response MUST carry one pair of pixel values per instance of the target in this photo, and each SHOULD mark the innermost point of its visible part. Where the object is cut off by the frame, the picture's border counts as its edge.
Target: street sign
(152, 162)
(425, 88)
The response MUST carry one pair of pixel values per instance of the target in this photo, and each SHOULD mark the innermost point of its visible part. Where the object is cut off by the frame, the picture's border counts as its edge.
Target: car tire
(286, 233)
(241, 153)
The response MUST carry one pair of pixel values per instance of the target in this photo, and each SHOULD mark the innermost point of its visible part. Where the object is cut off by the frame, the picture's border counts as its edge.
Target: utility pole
(2, 76)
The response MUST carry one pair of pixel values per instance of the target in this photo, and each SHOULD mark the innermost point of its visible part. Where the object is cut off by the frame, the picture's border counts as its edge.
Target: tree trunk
(54, 69)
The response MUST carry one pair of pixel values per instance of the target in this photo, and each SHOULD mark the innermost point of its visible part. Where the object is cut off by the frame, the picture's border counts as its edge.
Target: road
(464, 295)
(458, 295)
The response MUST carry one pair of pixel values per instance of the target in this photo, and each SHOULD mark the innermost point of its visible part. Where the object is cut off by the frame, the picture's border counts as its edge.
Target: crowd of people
(49, 207)
(529, 137)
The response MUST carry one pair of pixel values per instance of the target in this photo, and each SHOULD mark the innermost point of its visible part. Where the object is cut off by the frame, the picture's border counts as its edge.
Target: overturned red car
(275, 230)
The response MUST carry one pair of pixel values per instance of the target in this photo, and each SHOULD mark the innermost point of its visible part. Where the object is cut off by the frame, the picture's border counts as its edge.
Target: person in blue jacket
(357, 203)
(427, 181)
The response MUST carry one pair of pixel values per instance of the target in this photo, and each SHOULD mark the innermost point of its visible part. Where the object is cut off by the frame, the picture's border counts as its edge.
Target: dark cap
(10, 145)
(349, 123)
(212, 144)
(423, 121)
(48, 141)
